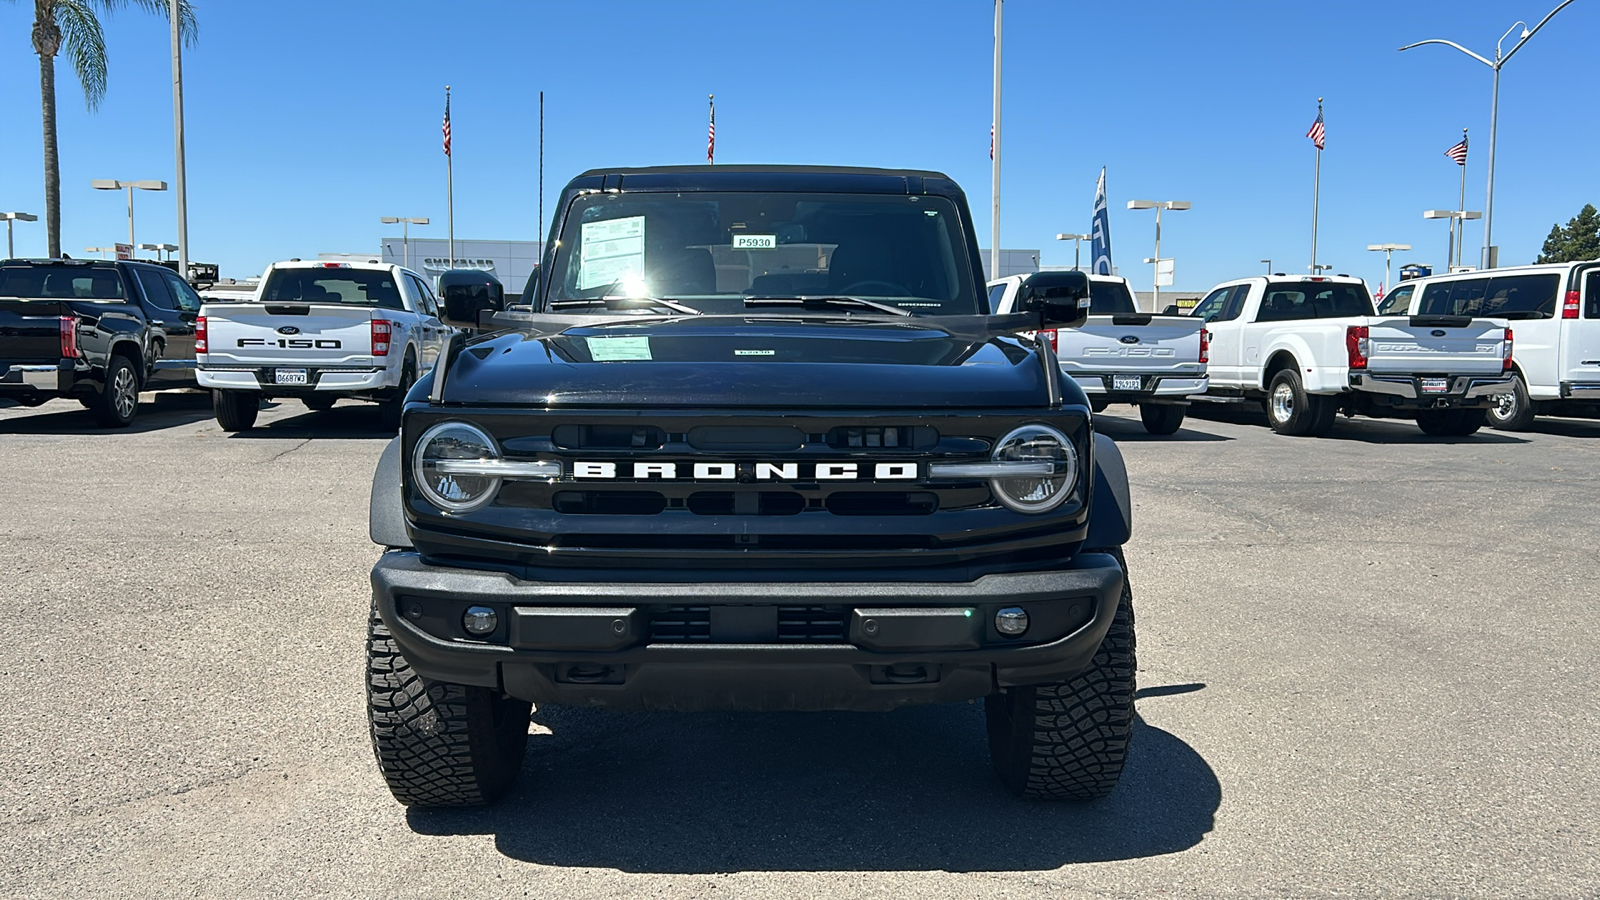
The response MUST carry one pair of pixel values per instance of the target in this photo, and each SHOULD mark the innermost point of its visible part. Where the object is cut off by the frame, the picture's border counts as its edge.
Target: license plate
(1125, 382)
(1435, 385)
(290, 376)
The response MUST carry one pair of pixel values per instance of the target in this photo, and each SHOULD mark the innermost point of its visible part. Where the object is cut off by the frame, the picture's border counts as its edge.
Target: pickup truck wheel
(115, 406)
(392, 408)
(1451, 422)
(439, 744)
(319, 402)
(1513, 411)
(235, 410)
(1069, 740)
(1161, 418)
(1292, 411)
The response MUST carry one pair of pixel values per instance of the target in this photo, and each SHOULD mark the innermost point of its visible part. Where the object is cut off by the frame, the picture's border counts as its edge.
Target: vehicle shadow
(1589, 428)
(1359, 429)
(157, 411)
(290, 419)
(1126, 428)
(910, 791)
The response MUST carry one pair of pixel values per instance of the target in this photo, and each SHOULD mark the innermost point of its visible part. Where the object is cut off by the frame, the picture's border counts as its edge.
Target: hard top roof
(779, 169)
(748, 178)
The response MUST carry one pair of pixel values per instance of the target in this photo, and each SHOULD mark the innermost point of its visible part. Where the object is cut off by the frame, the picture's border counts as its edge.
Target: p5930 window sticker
(610, 251)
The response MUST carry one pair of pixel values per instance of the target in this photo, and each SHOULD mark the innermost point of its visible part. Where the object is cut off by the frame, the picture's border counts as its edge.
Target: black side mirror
(467, 294)
(1060, 298)
(1171, 310)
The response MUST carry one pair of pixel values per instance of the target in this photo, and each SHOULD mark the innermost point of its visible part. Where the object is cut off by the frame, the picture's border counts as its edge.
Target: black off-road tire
(235, 410)
(319, 402)
(1162, 418)
(439, 744)
(1513, 411)
(1451, 422)
(116, 405)
(390, 410)
(1291, 411)
(1069, 740)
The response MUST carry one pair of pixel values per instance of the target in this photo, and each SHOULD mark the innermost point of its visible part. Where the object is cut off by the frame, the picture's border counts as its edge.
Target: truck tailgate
(1443, 345)
(30, 330)
(1141, 342)
(276, 334)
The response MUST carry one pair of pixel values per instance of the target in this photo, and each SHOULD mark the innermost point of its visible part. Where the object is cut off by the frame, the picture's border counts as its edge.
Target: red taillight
(1205, 346)
(1049, 334)
(1569, 309)
(1505, 364)
(69, 338)
(200, 335)
(1356, 345)
(381, 329)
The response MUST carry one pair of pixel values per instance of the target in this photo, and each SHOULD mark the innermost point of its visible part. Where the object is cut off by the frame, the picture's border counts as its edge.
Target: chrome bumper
(261, 378)
(1579, 390)
(1164, 385)
(47, 377)
(1467, 387)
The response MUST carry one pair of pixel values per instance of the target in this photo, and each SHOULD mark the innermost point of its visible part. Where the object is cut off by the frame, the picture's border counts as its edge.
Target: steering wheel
(894, 290)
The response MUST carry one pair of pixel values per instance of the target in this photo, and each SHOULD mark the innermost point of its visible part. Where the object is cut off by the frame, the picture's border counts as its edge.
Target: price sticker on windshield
(755, 241)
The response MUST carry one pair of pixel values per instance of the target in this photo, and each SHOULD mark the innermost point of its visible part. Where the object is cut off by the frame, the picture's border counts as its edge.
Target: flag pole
(1461, 206)
(994, 220)
(539, 229)
(1316, 196)
(450, 183)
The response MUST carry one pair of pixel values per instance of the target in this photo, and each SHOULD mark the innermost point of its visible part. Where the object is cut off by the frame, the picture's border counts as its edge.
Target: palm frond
(188, 26)
(84, 43)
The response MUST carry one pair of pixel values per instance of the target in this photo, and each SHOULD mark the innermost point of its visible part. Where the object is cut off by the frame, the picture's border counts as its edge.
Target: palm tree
(74, 26)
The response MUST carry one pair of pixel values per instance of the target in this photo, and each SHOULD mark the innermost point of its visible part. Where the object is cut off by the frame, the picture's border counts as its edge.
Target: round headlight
(1032, 493)
(430, 463)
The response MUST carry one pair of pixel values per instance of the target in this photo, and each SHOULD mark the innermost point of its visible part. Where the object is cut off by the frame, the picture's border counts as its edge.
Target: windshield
(1108, 298)
(363, 287)
(715, 250)
(61, 282)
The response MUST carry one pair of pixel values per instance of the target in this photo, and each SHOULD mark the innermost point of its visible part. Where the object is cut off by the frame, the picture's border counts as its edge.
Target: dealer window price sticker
(610, 251)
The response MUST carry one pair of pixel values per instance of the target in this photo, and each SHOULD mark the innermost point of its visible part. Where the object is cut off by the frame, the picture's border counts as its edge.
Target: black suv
(97, 331)
(757, 445)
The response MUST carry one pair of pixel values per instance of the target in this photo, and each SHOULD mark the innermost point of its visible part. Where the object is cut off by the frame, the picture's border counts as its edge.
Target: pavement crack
(303, 442)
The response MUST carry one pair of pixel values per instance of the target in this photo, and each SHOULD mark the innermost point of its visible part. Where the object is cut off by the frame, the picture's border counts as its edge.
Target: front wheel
(1069, 740)
(1292, 411)
(1513, 411)
(235, 410)
(1451, 422)
(1162, 418)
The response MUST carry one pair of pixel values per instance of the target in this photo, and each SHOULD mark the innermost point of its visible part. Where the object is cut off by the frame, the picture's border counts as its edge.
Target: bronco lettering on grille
(761, 471)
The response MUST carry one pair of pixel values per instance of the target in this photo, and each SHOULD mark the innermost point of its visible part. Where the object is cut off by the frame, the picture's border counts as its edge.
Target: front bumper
(1460, 390)
(602, 644)
(262, 378)
(1164, 386)
(51, 378)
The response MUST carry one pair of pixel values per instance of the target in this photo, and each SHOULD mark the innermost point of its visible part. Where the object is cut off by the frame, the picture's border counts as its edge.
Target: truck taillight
(1049, 334)
(1356, 344)
(1505, 364)
(69, 338)
(1205, 346)
(200, 335)
(1569, 309)
(381, 329)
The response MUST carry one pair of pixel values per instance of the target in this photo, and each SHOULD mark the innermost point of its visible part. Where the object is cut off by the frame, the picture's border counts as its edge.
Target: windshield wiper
(825, 302)
(626, 303)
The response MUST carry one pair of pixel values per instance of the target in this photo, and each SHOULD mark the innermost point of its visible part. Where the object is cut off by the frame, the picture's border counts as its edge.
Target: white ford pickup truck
(1310, 348)
(316, 332)
(1121, 355)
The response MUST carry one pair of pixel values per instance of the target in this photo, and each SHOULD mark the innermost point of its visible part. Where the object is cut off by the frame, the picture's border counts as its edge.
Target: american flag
(446, 126)
(1379, 297)
(711, 135)
(1458, 152)
(1317, 134)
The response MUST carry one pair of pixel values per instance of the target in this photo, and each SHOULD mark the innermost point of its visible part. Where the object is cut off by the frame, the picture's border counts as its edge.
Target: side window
(1285, 304)
(1235, 304)
(1466, 297)
(155, 287)
(1435, 300)
(1210, 307)
(1522, 293)
(188, 300)
(1397, 301)
(425, 304)
(1591, 288)
(996, 294)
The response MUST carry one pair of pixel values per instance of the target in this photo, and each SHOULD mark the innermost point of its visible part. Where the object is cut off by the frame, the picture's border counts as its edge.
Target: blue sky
(308, 121)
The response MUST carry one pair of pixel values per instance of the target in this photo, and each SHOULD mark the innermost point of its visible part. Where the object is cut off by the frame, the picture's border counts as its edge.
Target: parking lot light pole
(107, 184)
(1500, 59)
(1455, 215)
(1269, 265)
(1388, 253)
(1158, 206)
(100, 250)
(169, 248)
(405, 232)
(1077, 241)
(10, 218)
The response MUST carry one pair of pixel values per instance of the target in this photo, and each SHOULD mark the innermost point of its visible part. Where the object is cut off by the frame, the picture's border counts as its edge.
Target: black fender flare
(386, 514)
(1111, 514)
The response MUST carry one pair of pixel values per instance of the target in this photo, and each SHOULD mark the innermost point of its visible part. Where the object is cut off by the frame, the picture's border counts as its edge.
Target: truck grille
(789, 625)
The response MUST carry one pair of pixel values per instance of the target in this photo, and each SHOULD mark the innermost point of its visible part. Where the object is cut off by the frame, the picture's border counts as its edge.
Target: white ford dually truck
(1310, 347)
(1121, 355)
(316, 332)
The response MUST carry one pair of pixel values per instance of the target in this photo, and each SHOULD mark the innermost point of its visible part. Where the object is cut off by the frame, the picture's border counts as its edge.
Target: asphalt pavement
(1367, 667)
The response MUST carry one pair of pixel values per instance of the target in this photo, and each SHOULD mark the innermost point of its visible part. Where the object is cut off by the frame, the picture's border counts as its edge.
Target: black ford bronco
(756, 444)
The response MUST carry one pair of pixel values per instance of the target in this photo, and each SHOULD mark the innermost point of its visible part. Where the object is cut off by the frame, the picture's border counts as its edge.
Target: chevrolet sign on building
(510, 261)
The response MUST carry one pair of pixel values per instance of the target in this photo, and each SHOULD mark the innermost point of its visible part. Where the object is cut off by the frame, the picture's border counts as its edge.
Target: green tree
(1579, 240)
(73, 26)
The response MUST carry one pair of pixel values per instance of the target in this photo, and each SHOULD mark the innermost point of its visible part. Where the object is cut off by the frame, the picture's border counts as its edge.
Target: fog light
(1011, 621)
(481, 620)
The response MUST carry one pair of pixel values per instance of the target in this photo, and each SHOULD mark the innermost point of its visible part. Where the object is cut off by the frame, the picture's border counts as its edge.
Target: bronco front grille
(757, 624)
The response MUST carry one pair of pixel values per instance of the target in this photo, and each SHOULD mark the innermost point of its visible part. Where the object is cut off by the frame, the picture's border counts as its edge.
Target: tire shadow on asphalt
(157, 411)
(695, 793)
(297, 422)
(1360, 429)
(1125, 428)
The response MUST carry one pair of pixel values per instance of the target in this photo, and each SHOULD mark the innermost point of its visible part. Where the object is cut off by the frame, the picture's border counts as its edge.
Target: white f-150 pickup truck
(1121, 355)
(316, 332)
(1310, 347)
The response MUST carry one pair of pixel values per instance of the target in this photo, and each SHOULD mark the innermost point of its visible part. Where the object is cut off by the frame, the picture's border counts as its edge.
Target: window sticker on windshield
(610, 252)
(755, 241)
(615, 349)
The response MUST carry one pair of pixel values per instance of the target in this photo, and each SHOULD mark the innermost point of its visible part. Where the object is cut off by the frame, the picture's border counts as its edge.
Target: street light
(170, 248)
(100, 250)
(1500, 59)
(1158, 206)
(1464, 215)
(1077, 241)
(1269, 265)
(405, 232)
(1321, 268)
(1388, 251)
(107, 184)
(11, 217)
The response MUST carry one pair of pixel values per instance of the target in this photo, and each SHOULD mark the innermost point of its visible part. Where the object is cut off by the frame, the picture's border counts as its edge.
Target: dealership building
(510, 261)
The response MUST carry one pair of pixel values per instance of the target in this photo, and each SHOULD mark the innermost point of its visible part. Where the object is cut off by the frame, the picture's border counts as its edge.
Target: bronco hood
(751, 361)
